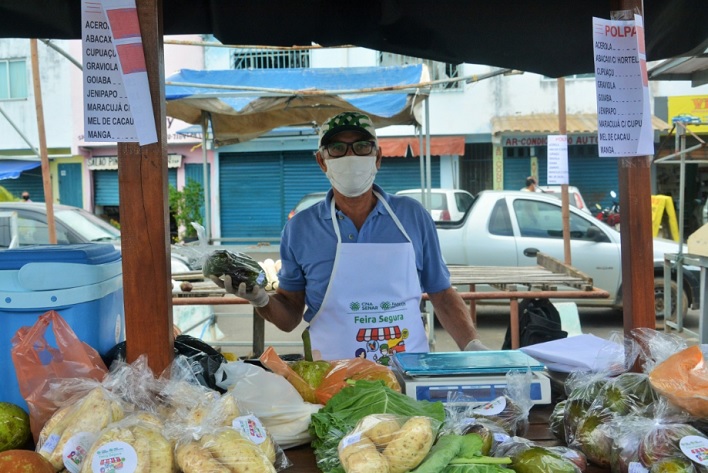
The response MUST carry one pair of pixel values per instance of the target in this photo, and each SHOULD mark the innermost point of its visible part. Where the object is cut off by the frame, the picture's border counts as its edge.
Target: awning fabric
(11, 169)
(271, 98)
(408, 146)
(548, 123)
(693, 68)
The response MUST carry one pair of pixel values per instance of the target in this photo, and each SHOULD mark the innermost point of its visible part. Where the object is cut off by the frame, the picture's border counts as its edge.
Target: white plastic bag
(272, 399)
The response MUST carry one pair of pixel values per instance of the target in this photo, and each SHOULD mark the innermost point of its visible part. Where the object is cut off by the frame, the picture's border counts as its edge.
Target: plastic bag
(683, 379)
(38, 363)
(272, 398)
(334, 380)
(387, 442)
(74, 427)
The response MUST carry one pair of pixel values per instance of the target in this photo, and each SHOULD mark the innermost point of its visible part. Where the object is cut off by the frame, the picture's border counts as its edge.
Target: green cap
(346, 121)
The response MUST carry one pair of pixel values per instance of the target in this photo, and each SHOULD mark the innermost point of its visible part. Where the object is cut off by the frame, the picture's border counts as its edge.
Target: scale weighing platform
(479, 374)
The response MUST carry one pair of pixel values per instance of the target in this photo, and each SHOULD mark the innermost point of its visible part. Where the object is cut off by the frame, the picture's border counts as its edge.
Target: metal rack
(680, 260)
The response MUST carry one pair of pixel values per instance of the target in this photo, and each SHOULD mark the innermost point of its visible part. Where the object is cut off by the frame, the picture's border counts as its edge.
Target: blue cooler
(82, 282)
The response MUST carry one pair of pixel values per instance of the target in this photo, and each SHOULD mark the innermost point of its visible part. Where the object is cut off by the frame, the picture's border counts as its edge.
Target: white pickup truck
(508, 228)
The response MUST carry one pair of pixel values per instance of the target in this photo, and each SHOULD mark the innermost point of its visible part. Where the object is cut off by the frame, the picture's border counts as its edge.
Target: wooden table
(303, 458)
(551, 279)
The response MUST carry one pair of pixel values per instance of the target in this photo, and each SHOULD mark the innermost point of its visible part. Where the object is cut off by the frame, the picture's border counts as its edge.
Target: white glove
(258, 297)
(476, 345)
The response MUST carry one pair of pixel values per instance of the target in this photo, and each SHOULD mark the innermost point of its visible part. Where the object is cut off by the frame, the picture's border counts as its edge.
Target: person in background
(26, 196)
(355, 265)
(531, 185)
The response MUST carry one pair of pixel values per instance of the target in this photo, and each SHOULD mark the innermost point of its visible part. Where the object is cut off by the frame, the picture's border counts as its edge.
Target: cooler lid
(83, 253)
(464, 363)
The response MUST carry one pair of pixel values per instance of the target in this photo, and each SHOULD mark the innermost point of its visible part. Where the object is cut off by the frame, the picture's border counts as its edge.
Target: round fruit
(24, 461)
(14, 427)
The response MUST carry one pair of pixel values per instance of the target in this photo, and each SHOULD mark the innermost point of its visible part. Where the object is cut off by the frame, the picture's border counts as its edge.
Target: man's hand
(257, 296)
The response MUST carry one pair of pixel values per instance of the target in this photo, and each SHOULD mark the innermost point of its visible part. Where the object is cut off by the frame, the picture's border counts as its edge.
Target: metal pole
(428, 183)
(207, 188)
(681, 139)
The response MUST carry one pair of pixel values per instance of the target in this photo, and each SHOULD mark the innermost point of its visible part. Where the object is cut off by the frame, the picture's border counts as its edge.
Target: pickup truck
(508, 228)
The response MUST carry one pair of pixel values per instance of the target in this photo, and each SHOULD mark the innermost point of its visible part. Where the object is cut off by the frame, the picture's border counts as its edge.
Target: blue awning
(12, 168)
(256, 101)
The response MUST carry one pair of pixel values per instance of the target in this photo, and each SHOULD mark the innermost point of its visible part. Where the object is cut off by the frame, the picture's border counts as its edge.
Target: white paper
(557, 170)
(117, 103)
(623, 107)
(582, 352)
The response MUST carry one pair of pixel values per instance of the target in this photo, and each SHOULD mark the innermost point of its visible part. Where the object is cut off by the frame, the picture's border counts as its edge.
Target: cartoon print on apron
(371, 307)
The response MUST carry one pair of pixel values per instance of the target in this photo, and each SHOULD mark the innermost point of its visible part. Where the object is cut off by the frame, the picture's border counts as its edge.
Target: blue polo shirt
(309, 244)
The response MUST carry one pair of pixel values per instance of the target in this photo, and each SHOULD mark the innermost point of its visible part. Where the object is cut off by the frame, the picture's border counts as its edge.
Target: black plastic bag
(204, 359)
(539, 321)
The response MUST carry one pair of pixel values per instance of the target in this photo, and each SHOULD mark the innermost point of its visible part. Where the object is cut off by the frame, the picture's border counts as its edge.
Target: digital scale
(478, 374)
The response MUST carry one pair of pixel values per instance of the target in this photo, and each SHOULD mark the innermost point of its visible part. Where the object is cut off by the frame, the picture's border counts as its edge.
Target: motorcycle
(610, 215)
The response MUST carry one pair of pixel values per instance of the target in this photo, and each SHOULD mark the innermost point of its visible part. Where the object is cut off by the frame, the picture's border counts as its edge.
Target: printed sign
(557, 171)
(623, 107)
(117, 103)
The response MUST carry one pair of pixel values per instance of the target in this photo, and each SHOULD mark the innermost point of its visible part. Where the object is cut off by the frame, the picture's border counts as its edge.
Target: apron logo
(386, 305)
(354, 306)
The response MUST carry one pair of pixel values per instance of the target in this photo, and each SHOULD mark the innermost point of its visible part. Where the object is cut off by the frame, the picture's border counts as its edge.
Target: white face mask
(351, 176)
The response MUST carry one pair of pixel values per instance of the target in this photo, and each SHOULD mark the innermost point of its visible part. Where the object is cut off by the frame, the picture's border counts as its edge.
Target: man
(355, 264)
(531, 185)
(26, 197)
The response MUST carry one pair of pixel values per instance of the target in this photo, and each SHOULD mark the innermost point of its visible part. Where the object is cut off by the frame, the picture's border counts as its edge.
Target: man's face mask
(25, 197)
(351, 176)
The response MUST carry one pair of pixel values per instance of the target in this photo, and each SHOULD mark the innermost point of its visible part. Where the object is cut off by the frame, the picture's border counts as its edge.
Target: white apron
(372, 304)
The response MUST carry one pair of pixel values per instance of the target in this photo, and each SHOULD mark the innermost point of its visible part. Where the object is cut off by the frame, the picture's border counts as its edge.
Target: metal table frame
(680, 260)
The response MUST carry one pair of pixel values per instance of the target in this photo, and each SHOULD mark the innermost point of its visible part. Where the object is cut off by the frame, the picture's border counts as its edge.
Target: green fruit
(313, 372)
(14, 427)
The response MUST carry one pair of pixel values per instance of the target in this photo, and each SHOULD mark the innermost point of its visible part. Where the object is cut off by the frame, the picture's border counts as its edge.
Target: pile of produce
(133, 421)
(649, 421)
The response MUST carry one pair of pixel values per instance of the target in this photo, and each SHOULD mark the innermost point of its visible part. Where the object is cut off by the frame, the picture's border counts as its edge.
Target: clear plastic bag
(386, 442)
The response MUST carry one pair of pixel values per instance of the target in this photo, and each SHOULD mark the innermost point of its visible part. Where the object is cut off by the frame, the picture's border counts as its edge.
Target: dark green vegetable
(540, 460)
(241, 268)
(445, 449)
(477, 468)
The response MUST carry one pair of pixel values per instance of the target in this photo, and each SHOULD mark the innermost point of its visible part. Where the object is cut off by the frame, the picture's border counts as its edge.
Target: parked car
(508, 228)
(574, 196)
(73, 225)
(308, 200)
(446, 205)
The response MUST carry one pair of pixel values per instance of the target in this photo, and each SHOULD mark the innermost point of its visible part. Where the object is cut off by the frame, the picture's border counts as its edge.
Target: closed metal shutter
(105, 186)
(250, 190)
(267, 186)
(195, 172)
(30, 181)
(516, 170)
(595, 177)
(397, 174)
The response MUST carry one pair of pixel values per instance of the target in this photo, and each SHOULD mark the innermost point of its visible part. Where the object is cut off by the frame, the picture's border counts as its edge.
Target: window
(255, 58)
(13, 79)
(544, 220)
(34, 232)
(499, 222)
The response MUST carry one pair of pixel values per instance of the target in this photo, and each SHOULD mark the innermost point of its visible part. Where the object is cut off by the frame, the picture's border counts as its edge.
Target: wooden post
(142, 183)
(635, 227)
(565, 209)
(43, 154)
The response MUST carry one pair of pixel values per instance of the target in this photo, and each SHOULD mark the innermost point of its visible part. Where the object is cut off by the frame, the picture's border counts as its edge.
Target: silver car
(73, 225)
